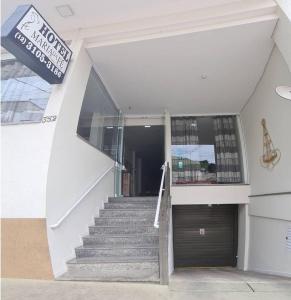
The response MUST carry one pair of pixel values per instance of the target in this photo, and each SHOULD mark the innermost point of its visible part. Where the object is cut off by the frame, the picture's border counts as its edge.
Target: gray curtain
(184, 133)
(226, 147)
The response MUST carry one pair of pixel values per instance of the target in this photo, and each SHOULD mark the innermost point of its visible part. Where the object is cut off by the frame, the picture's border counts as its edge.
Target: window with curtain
(205, 150)
(98, 121)
(24, 95)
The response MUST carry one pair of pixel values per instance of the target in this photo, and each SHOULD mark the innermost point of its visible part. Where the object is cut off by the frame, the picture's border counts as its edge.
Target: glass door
(119, 157)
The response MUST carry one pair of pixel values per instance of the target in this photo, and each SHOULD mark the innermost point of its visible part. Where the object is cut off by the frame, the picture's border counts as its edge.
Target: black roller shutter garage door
(205, 236)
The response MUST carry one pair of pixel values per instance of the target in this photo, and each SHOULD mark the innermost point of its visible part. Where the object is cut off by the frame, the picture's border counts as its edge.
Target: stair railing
(69, 211)
(162, 221)
(156, 223)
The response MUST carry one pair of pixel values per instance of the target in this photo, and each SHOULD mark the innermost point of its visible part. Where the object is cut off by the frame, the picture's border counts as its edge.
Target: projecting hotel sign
(33, 42)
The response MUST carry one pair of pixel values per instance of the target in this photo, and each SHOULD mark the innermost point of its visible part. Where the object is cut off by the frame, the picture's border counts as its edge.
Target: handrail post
(164, 217)
(156, 222)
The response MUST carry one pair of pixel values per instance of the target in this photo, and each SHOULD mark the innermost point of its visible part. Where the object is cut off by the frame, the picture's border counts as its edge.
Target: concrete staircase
(123, 244)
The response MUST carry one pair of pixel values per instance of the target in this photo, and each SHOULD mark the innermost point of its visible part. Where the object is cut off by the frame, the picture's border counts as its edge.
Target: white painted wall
(282, 35)
(25, 155)
(265, 103)
(270, 216)
(210, 194)
(74, 165)
(268, 251)
(243, 237)
(273, 207)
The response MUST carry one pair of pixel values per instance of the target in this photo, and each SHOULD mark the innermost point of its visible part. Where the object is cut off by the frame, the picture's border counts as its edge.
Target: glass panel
(119, 157)
(98, 121)
(24, 95)
(205, 150)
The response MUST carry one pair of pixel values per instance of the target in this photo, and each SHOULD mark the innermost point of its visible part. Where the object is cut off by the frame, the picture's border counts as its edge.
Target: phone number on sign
(38, 54)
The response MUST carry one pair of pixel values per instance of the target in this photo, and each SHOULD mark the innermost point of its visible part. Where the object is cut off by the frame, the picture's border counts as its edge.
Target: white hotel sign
(33, 42)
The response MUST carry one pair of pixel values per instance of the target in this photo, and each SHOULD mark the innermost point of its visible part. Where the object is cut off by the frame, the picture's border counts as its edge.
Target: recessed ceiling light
(284, 92)
(147, 126)
(203, 76)
(65, 11)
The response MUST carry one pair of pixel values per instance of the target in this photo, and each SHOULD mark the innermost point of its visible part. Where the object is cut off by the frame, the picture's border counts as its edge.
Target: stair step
(129, 205)
(122, 230)
(124, 221)
(113, 269)
(127, 212)
(95, 251)
(111, 259)
(121, 240)
(132, 199)
(113, 200)
(122, 246)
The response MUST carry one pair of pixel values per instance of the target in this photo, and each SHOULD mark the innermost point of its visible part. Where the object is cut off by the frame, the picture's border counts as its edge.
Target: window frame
(240, 147)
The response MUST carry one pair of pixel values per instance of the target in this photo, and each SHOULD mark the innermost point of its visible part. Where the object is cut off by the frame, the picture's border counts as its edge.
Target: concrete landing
(186, 284)
(190, 281)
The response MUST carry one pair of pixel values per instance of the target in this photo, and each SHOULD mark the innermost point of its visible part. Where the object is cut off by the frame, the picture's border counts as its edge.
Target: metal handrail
(270, 194)
(69, 211)
(156, 223)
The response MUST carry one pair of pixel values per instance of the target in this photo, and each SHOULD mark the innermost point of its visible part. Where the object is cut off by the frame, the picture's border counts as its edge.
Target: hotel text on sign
(33, 42)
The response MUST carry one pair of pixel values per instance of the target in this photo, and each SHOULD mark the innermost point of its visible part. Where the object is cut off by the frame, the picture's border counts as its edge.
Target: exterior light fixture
(284, 92)
(109, 127)
(65, 11)
(147, 126)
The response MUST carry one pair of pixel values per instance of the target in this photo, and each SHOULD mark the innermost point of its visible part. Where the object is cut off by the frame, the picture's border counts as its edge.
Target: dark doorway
(205, 235)
(143, 158)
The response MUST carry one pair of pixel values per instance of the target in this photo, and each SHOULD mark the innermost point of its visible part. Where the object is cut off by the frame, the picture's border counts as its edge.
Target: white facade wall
(25, 156)
(282, 35)
(73, 167)
(270, 216)
(208, 194)
(268, 251)
(243, 237)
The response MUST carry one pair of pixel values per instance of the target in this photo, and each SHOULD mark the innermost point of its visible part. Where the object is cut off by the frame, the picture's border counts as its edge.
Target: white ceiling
(89, 13)
(155, 74)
